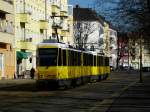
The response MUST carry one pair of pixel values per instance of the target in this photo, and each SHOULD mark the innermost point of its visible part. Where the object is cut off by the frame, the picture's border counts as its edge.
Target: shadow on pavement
(30, 88)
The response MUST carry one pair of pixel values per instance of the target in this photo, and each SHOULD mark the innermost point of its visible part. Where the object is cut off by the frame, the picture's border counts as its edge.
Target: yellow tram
(59, 65)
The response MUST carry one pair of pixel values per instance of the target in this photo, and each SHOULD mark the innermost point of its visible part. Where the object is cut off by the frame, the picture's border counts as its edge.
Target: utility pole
(24, 11)
(141, 78)
(57, 26)
(46, 16)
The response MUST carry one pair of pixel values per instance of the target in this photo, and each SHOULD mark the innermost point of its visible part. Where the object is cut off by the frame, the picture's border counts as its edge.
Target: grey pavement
(121, 92)
(135, 98)
(15, 82)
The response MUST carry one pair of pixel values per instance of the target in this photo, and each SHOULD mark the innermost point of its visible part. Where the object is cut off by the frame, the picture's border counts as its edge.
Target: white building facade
(88, 29)
(113, 48)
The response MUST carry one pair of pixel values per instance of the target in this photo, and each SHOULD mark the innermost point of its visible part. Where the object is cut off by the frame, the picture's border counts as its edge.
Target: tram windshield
(48, 56)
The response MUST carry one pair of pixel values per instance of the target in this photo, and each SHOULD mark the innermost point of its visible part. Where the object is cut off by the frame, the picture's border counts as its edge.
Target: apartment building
(129, 51)
(32, 26)
(146, 54)
(134, 53)
(39, 21)
(62, 26)
(113, 47)
(106, 49)
(88, 29)
(7, 40)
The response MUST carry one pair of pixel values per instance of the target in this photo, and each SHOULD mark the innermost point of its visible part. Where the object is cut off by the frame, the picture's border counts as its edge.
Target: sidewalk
(136, 98)
(10, 83)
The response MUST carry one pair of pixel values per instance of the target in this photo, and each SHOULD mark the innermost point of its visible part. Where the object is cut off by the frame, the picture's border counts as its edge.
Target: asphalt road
(92, 97)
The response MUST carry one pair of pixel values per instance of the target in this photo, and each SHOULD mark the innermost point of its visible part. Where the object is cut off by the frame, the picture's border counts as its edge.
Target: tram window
(107, 61)
(70, 58)
(88, 59)
(101, 61)
(47, 51)
(64, 58)
(59, 58)
(84, 59)
(76, 58)
(97, 60)
(47, 57)
(91, 59)
(94, 60)
(104, 63)
(79, 59)
(72, 55)
(47, 61)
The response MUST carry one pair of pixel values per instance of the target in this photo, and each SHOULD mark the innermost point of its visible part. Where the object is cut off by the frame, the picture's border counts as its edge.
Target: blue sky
(82, 3)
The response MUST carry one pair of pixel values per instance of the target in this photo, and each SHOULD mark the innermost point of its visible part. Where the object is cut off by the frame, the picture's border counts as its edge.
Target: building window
(61, 37)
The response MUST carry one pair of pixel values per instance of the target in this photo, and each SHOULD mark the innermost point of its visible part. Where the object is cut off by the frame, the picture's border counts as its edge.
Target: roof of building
(86, 14)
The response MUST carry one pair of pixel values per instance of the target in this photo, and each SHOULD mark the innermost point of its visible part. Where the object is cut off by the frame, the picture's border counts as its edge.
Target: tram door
(2, 65)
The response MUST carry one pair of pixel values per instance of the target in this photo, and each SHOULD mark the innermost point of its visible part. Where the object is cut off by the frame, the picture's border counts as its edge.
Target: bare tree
(127, 15)
(82, 31)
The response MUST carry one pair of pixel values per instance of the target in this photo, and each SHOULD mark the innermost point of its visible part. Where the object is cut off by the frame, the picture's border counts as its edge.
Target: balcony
(6, 37)
(6, 26)
(63, 11)
(26, 45)
(7, 6)
(58, 31)
(63, 14)
(25, 40)
(64, 33)
(43, 24)
(6, 31)
(55, 9)
(24, 17)
(66, 27)
(56, 25)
